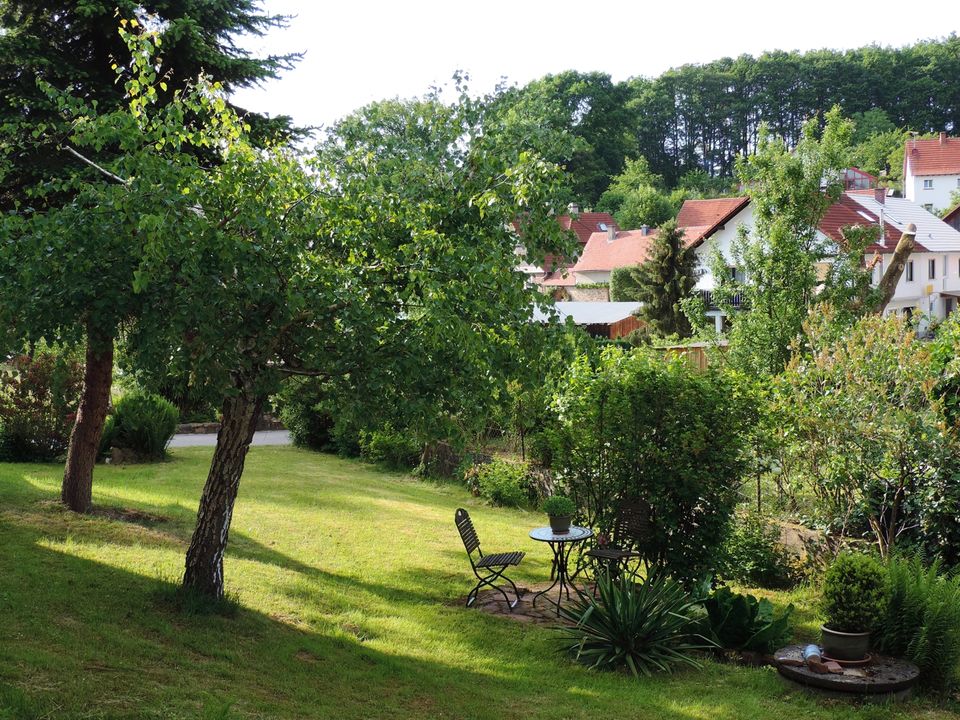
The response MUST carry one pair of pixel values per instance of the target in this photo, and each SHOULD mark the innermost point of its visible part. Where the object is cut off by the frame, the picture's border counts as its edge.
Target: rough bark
(888, 283)
(204, 569)
(77, 490)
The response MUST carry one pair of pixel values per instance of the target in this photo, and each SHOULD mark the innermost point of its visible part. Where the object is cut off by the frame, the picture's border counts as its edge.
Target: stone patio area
(545, 613)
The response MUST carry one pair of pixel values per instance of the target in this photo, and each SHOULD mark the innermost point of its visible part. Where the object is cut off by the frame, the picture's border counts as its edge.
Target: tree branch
(94, 165)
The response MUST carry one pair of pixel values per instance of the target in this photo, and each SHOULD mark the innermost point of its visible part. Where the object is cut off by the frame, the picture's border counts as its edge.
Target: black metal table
(560, 544)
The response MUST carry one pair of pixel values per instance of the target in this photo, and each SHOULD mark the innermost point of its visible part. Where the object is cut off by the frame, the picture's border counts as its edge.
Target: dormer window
(928, 184)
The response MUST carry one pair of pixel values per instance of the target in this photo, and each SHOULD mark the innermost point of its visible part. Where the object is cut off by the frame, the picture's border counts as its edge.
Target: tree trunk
(77, 489)
(204, 571)
(888, 283)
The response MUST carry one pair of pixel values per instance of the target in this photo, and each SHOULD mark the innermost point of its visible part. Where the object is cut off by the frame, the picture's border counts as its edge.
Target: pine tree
(661, 282)
(75, 43)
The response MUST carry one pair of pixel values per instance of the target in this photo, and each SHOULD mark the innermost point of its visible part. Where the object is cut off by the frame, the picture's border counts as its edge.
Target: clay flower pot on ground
(560, 510)
(854, 600)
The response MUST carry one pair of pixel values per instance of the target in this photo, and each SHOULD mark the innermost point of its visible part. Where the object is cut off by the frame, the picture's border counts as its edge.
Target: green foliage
(396, 449)
(661, 283)
(778, 257)
(742, 622)
(922, 620)
(559, 505)
(305, 411)
(854, 593)
(753, 555)
(577, 120)
(636, 425)
(645, 628)
(500, 482)
(858, 426)
(144, 423)
(39, 394)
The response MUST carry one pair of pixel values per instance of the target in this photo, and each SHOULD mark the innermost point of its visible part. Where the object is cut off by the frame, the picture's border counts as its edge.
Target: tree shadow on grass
(91, 640)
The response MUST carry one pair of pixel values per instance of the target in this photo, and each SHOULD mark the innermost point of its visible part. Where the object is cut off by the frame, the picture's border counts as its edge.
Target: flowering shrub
(38, 404)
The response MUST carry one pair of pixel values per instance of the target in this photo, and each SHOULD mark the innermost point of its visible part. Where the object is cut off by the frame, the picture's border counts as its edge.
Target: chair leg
(488, 581)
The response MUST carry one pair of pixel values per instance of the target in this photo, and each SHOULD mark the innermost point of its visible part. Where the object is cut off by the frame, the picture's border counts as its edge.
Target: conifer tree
(661, 282)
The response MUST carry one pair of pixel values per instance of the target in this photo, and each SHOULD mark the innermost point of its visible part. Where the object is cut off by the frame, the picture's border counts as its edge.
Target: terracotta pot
(560, 524)
(844, 646)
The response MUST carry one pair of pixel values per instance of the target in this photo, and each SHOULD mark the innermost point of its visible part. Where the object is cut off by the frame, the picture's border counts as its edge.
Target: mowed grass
(349, 583)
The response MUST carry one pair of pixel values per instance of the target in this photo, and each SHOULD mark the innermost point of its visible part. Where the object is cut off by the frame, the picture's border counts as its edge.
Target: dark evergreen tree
(74, 43)
(665, 278)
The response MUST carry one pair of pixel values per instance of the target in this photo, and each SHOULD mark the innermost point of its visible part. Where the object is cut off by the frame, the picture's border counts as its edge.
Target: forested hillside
(698, 118)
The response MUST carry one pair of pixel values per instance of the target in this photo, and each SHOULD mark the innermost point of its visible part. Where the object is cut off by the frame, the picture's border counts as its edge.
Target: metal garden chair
(487, 568)
(632, 529)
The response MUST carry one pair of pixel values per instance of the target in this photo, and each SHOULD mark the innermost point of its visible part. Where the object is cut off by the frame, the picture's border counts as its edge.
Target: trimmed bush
(39, 394)
(143, 423)
(854, 593)
(304, 411)
(922, 620)
(635, 425)
(395, 449)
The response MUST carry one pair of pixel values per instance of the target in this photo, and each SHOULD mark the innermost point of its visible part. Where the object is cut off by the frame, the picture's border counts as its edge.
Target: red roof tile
(708, 214)
(602, 255)
(587, 223)
(936, 156)
(847, 212)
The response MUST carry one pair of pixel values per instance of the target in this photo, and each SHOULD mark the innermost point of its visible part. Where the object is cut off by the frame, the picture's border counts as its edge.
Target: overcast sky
(358, 51)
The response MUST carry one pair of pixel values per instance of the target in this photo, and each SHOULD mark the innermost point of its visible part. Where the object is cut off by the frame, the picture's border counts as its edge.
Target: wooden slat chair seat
(632, 529)
(493, 565)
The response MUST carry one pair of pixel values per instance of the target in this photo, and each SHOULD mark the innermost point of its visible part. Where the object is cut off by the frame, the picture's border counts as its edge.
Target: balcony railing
(707, 297)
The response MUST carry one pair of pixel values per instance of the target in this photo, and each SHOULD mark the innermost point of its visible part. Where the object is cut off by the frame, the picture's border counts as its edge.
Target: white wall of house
(931, 191)
(721, 240)
(923, 294)
(594, 276)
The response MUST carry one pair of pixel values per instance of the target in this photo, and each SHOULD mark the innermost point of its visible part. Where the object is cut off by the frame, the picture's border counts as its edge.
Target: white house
(931, 172)
(931, 280)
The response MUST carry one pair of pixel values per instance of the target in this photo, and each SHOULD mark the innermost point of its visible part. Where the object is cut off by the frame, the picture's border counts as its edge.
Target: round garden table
(560, 544)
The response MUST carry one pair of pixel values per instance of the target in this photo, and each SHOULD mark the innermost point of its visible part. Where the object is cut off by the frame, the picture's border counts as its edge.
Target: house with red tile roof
(931, 171)
(611, 249)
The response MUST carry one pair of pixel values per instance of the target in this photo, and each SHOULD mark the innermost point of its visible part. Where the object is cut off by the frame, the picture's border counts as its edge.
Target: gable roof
(848, 212)
(933, 234)
(702, 218)
(586, 224)
(952, 218)
(933, 156)
(602, 254)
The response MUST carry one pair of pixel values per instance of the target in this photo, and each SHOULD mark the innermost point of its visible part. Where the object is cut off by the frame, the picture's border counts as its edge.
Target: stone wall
(590, 294)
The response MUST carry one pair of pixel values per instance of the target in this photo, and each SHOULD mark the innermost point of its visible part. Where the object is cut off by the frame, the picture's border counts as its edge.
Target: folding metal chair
(632, 527)
(492, 566)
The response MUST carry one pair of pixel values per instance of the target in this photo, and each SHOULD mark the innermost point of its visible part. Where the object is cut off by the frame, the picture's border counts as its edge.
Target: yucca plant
(922, 621)
(647, 627)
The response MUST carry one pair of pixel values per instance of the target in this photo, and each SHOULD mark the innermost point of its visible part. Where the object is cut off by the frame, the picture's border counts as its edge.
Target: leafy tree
(78, 222)
(790, 191)
(578, 120)
(661, 282)
(862, 429)
(636, 197)
(384, 261)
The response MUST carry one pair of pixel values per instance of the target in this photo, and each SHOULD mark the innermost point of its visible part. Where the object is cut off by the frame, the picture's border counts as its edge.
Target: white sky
(358, 51)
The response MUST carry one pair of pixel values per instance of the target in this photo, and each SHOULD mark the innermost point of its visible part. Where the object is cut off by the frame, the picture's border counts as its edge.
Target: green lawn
(348, 582)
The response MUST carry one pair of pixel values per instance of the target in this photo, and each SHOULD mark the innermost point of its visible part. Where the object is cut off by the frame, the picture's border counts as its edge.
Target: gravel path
(267, 437)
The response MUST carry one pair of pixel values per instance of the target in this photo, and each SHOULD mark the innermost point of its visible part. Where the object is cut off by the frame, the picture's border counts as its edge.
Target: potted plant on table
(854, 600)
(561, 510)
